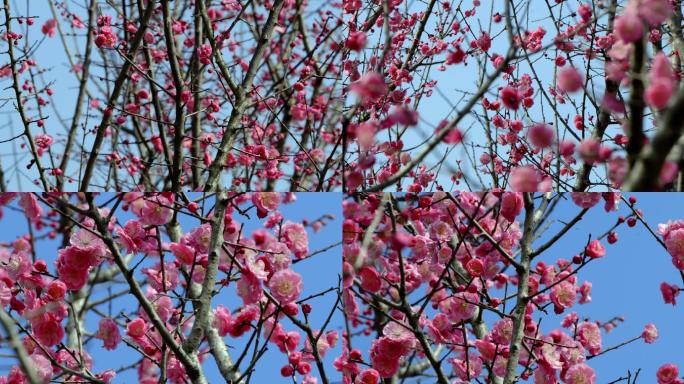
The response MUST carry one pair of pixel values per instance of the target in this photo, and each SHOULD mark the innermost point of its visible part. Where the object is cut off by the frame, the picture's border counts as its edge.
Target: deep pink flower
(658, 93)
(106, 38)
(511, 205)
(667, 373)
(595, 249)
(136, 328)
(669, 292)
(511, 98)
(370, 279)
(368, 376)
(49, 28)
(43, 142)
(204, 53)
(286, 285)
(184, 253)
(48, 330)
(356, 41)
(108, 332)
(563, 296)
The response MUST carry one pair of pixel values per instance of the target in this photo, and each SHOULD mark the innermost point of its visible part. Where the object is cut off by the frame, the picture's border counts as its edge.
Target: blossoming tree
(178, 285)
(472, 287)
(170, 95)
(561, 95)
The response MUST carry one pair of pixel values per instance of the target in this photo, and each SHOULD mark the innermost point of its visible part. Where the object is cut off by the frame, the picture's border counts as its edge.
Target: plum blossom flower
(662, 82)
(570, 80)
(511, 98)
(589, 334)
(669, 292)
(370, 87)
(628, 27)
(580, 374)
(540, 135)
(667, 373)
(585, 199)
(156, 211)
(49, 28)
(106, 38)
(31, 207)
(650, 333)
(356, 41)
(108, 332)
(286, 285)
(136, 328)
(266, 202)
(595, 249)
(296, 238)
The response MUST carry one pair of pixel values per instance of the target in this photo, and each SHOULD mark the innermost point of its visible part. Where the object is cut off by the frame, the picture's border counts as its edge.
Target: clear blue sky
(319, 273)
(625, 283)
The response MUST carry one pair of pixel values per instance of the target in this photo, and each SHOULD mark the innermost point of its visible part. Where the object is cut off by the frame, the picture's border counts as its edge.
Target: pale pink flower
(525, 179)
(286, 285)
(580, 374)
(222, 320)
(266, 201)
(42, 367)
(31, 207)
(585, 199)
(461, 306)
(370, 87)
(296, 238)
(589, 334)
(563, 295)
(654, 11)
(108, 332)
(570, 80)
(249, 288)
(629, 27)
(156, 211)
(650, 333)
(540, 135)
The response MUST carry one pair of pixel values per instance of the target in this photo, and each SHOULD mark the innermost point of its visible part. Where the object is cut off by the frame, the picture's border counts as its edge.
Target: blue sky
(319, 273)
(625, 283)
